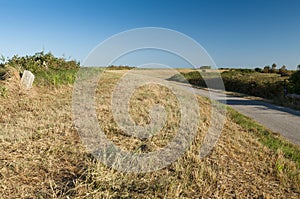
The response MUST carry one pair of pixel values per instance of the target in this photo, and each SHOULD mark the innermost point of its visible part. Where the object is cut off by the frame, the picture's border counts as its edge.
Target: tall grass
(56, 77)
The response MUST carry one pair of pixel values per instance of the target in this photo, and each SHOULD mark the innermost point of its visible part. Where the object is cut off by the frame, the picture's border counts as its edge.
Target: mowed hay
(42, 155)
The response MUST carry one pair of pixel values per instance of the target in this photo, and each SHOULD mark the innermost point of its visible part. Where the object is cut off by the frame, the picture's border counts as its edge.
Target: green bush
(41, 62)
(295, 82)
(48, 69)
(245, 81)
(56, 77)
(205, 67)
(259, 70)
(120, 67)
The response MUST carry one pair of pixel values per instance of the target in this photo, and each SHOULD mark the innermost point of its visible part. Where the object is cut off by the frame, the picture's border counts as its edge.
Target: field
(42, 155)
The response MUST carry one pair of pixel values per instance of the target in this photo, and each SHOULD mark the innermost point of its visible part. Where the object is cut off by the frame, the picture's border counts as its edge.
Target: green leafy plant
(112, 67)
(3, 91)
(295, 82)
(48, 69)
(41, 62)
(56, 77)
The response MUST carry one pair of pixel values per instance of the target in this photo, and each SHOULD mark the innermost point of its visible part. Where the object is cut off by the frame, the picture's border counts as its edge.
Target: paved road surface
(279, 119)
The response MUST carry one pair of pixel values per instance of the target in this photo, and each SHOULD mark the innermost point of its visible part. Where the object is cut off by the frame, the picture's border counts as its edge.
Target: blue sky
(235, 33)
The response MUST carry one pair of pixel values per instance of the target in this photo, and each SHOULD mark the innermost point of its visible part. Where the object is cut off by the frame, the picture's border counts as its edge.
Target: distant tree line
(205, 67)
(283, 71)
(295, 81)
(112, 67)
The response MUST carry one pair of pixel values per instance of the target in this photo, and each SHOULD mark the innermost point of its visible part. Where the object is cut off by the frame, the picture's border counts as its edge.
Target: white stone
(27, 79)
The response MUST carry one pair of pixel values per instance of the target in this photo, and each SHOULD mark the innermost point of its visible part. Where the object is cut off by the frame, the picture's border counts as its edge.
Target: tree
(283, 71)
(295, 82)
(266, 69)
(2, 58)
(273, 69)
(205, 67)
(259, 70)
(298, 67)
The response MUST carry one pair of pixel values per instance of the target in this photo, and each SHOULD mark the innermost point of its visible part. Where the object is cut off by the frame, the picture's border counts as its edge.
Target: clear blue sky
(245, 33)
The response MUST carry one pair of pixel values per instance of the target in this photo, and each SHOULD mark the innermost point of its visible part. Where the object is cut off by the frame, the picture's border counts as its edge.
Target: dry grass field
(42, 155)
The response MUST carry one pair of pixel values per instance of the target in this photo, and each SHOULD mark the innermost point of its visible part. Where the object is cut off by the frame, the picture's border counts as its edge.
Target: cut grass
(42, 155)
(266, 137)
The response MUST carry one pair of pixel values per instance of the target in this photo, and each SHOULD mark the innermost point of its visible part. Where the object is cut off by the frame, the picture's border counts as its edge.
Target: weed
(56, 77)
(3, 91)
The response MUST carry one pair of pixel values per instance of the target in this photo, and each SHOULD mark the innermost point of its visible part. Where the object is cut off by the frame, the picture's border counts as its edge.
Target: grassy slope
(266, 137)
(42, 156)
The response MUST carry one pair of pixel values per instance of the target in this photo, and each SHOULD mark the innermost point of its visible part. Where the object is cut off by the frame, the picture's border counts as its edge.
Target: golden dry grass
(42, 155)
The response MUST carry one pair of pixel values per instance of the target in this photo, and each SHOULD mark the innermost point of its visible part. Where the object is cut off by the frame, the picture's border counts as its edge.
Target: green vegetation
(259, 70)
(112, 67)
(251, 82)
(266, 137)
(205, 67)
(48, 69)
(3, 91)
(295, 82)
(239, 80)
(56, 77)
(273, 69)
(268, 86)
(41, 62)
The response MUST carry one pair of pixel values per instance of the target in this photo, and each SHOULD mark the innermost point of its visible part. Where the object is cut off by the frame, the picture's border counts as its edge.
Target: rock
(27, 79)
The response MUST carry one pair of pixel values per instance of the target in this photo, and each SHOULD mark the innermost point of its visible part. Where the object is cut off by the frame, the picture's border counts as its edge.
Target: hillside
(42, 155)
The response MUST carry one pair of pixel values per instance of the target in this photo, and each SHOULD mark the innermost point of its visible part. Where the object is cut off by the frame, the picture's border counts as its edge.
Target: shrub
(283, 71)
(259, 70)
(205, 67)
(244, 81)
(48, 69)
(41, 62)
(3, 91)
(266, 69)
(120, 67)
(295, 82)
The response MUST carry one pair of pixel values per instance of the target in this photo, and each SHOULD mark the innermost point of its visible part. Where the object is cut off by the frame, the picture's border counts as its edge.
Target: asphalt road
(284, 121)
(276, 118)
